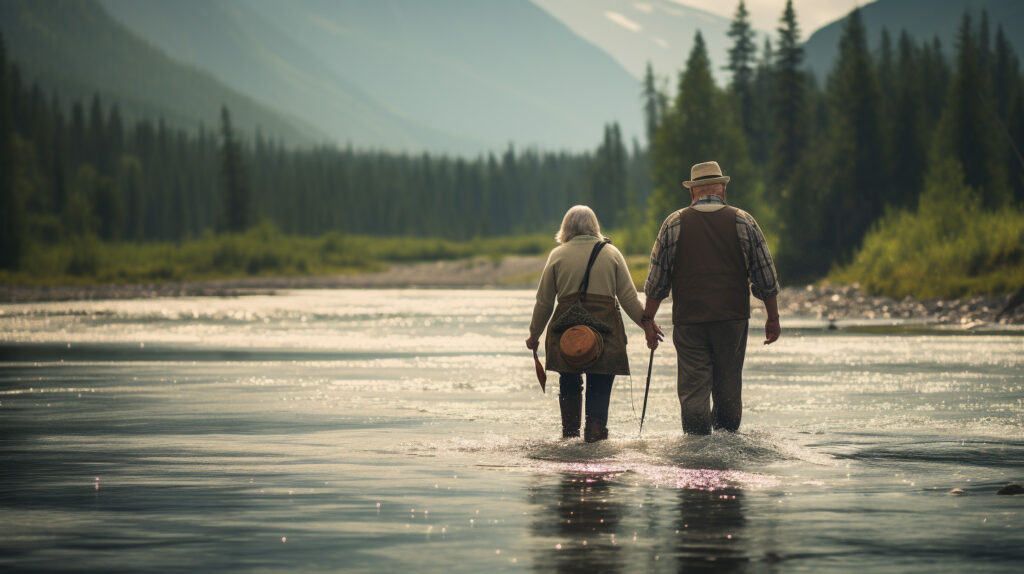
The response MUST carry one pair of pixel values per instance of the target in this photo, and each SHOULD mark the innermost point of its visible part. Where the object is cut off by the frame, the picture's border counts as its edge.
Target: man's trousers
(710, 361)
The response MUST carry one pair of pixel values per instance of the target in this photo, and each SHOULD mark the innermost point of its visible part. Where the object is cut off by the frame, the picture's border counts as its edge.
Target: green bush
(949, 247)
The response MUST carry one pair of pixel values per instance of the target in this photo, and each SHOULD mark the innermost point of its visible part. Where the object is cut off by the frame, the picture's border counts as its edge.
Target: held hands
(654, 333)
(532, 343)
(772, 330)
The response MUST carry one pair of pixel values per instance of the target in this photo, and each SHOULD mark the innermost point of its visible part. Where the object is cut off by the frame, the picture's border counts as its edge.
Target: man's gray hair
(579, 220)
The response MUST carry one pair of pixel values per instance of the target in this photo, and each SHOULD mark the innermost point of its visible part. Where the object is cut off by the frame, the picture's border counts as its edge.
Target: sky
(764, 14)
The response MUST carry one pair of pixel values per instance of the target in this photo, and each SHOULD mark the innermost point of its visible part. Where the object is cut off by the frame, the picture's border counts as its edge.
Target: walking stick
(647, 389)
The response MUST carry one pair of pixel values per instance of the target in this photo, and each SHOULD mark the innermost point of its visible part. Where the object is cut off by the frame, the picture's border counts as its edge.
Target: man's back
(709, 277)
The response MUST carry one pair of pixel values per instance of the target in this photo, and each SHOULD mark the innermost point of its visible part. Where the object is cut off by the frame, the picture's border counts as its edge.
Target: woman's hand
(532, 343)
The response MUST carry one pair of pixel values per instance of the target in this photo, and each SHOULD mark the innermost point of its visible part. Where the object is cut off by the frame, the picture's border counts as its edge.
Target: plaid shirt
(760, 267)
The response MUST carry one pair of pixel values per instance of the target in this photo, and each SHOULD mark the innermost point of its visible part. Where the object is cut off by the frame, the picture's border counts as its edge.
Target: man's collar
(710, 199)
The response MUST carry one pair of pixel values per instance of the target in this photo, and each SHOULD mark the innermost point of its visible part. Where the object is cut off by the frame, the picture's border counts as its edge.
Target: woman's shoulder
(612, 252)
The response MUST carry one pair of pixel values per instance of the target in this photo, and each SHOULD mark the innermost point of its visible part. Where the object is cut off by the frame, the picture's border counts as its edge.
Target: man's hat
(580, 346)
(705, 174)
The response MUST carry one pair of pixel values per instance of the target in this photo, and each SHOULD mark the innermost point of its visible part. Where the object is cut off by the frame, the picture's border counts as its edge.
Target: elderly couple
(706, 255)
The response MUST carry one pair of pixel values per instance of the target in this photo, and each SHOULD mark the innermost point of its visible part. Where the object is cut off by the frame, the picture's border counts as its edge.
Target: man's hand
(654, 334)
(772, 330)
(532, 343)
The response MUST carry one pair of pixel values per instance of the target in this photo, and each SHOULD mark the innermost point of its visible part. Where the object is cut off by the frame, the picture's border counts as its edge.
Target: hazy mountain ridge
(74, 49)
(448, 75)
(251, 53)
(659, 31)
(923, 20)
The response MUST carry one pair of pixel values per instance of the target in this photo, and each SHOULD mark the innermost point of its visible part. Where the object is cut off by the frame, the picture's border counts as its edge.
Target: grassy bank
(261, 251)
(949, 247)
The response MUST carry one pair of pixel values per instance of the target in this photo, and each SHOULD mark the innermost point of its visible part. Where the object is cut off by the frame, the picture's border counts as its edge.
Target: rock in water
(1012, 488)
(957, 492)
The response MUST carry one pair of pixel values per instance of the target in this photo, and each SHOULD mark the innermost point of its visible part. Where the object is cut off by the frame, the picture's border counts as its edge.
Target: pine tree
(1005, 74)
(886, 66)
(906, 134)
(741, 64)
(968, 131)
(788, 99)
(762, 142)
(235, 214)
(606, 187)
(935, 75)
(114, 138)
(652, 109)
(96, 138)
(859, 189)
(699, 126)
(984, 46)
(10, 206)
(1015, 127)
(79, 142)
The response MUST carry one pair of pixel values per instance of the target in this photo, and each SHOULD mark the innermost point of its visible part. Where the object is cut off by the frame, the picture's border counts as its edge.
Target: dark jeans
(599, 391)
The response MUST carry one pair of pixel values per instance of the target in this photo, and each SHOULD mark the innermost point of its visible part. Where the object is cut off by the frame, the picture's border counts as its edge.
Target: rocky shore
(828, 301)
(845, 302)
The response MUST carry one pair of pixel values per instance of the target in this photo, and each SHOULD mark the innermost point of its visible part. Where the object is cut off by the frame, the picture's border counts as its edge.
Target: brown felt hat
(705, 174)
(580, 346)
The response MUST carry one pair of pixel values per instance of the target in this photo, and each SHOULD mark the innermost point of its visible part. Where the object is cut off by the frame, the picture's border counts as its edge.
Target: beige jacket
(563, 274)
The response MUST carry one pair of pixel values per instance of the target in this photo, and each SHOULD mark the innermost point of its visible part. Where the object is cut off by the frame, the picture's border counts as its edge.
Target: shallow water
(372, 431)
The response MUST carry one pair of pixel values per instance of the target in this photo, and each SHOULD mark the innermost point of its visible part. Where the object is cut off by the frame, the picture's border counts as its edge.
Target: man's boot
(595, 430)
(572, 407)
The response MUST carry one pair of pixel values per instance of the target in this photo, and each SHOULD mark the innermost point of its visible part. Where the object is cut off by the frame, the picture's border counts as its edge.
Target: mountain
(444, 75)
(923, 20)
(74, 49)
(659, 31)
(258, 56)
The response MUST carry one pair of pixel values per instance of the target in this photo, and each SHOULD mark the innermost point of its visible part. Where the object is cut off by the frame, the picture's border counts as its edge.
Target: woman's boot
(595, 430)
(572, 407)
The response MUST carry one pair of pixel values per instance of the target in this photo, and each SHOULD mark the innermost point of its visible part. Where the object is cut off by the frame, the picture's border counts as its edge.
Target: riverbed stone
(1011, 488)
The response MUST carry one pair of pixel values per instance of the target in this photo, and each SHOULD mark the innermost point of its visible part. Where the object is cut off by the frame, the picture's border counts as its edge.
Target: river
(404, 431)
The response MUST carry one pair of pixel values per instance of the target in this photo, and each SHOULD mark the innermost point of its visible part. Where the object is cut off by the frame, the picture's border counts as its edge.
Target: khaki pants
(710, 362)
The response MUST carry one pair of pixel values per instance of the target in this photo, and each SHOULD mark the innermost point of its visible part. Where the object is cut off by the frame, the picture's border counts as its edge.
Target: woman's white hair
(579, 220)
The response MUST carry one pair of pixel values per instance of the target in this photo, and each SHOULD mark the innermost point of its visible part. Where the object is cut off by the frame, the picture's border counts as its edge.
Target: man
(706, 255)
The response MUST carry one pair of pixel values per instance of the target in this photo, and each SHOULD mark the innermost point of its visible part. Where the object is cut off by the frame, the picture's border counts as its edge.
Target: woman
(561, 280)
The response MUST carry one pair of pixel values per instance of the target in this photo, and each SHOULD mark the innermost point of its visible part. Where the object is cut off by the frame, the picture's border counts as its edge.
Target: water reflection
(581, 515)
(711, 535)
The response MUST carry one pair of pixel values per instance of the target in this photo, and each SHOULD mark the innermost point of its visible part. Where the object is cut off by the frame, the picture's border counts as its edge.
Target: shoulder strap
(586, 275)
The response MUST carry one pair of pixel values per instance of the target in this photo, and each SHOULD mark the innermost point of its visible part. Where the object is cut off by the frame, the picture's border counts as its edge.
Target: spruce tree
(741, 65)
(789, 102)
(606, 181)
(762, 141)
(96, 138)
(859, 187)
(906, 133)
(235, 189)
(1005, 73)
(699, 126)
(10, 207)
(652, 109)
(1015, 127)
(968, 130)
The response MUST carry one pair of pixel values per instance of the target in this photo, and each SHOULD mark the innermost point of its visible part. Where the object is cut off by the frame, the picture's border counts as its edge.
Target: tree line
(81, 171)
(818, 161)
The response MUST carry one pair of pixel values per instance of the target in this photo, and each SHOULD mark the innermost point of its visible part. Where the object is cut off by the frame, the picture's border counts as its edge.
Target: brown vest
(709, 277)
